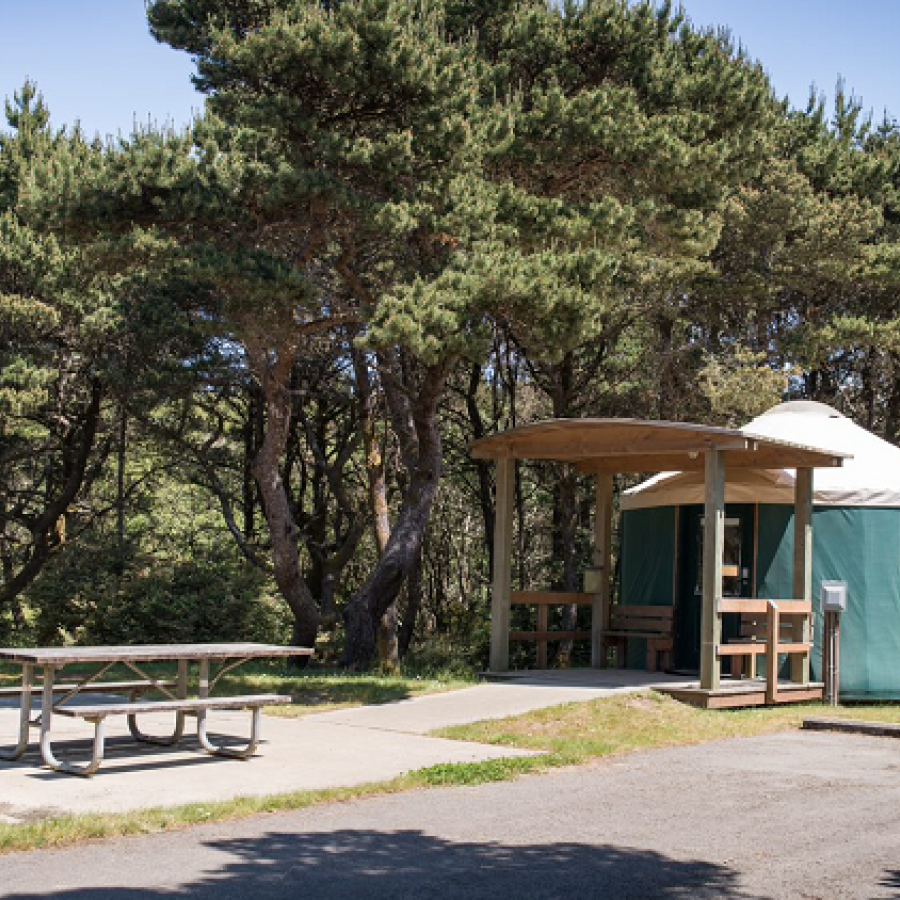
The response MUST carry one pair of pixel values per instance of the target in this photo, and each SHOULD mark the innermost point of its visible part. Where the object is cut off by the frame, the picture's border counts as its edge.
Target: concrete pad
(296, 754)
(325, 750)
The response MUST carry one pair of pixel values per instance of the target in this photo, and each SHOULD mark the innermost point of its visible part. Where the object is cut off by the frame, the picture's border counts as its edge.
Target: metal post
(830, 660)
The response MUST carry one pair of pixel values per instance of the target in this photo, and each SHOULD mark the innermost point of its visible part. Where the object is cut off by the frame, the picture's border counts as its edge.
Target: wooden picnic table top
(48, 656)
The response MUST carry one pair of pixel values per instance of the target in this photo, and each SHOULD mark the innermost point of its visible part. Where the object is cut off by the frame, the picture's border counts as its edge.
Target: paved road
(789, 816)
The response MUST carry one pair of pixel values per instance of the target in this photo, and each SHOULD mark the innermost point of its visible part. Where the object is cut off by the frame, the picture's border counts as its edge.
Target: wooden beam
(502, 580)
(761, 607)
(542, 637)
(602, 561)
(692, 461)
(713, 542)
(802, 587)
(550, 598)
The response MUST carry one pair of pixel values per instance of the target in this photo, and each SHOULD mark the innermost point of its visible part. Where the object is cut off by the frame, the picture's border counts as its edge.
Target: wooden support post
(803, 541)
(773, 626)
(713, 542)
(602, 562)
(502, 581)
(543, 626)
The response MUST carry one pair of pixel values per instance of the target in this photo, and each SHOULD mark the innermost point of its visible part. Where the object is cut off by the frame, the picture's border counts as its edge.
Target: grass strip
(63, 831)
(645, 721)
(312, 691)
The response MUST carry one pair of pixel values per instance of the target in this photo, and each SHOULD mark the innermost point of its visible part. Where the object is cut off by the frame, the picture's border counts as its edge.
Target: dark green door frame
(739, 552)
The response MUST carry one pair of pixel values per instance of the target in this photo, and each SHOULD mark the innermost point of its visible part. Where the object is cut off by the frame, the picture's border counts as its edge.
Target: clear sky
(95, 61)
(804, 42)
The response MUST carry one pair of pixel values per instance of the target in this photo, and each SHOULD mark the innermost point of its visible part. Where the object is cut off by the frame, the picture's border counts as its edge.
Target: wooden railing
(765, 638)
(542, 636)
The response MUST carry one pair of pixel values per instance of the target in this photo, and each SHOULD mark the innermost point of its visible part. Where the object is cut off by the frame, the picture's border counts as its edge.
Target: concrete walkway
(511, 696)
(334, 749)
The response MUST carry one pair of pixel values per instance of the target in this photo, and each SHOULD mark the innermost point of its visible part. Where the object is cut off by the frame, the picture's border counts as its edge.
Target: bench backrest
(652, 619)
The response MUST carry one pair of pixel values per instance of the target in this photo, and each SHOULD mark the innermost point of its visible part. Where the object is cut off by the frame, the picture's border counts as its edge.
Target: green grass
(581, 732)
(572, 734)
(315, 692)
(312, 690)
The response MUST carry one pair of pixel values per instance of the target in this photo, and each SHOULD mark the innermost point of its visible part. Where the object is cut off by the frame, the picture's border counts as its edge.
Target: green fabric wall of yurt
(860, 546)
(856, 534)
(647, 563)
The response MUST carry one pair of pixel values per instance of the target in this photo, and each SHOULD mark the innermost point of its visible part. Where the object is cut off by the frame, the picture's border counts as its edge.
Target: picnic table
(97, 663)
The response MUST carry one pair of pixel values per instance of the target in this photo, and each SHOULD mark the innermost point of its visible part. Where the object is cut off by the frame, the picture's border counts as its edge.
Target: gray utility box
(834, 596)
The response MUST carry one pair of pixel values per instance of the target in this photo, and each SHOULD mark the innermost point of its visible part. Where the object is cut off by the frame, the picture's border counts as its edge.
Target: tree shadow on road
(891, 880)
(411, 864)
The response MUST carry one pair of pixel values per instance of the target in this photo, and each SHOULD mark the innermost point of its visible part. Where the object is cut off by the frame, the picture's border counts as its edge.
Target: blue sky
(95, 61)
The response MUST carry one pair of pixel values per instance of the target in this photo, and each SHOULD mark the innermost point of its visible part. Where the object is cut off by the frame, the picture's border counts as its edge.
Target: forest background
(241, 364)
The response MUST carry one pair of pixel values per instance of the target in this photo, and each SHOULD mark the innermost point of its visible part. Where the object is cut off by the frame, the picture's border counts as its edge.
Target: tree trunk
(417, 430)
(412, 606)
(388, 644)
(120, 485)
(565, 511)
(46, 529)
(482, 466)
(567, 499)
(276, 505)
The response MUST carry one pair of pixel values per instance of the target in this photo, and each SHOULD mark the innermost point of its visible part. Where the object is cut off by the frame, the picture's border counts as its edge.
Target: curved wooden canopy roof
(640, 445)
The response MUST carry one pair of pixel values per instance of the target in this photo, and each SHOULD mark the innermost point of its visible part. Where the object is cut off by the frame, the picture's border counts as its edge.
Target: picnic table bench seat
(192, 705)
(98, 713)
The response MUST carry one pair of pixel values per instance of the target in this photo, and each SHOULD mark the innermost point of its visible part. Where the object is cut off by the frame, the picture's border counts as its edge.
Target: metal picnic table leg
(231, 752)
(178, 733)
(24, 715)
(46, 724)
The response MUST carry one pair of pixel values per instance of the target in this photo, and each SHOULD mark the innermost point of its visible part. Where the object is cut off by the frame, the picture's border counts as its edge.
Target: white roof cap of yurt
(870, 478)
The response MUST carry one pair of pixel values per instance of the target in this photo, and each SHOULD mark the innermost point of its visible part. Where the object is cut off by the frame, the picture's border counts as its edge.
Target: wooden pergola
(605, 447)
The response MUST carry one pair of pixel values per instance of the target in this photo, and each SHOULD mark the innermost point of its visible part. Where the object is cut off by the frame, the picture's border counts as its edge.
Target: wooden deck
(745, 692)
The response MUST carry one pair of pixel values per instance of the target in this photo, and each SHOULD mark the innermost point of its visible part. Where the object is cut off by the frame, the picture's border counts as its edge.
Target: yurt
(856, 539)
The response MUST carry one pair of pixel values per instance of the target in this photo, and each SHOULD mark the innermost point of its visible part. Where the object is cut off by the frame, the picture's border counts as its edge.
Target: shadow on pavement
(891, 880)
(411, 864)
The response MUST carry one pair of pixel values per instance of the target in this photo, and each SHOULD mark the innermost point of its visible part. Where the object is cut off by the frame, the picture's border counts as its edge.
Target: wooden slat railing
(542, 636)
(767, 642)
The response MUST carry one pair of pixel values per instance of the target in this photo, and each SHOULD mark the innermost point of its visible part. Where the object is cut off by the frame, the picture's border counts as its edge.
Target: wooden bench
(97, 714)
(651, 623)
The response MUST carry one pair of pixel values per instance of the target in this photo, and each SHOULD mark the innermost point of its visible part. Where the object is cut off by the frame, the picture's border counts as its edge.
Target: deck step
(745, 693)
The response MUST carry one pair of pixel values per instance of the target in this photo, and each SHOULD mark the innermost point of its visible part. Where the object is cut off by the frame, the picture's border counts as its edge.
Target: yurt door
(737, 576)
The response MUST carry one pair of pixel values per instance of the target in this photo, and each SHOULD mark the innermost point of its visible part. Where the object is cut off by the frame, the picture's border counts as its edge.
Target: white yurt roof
(870, 478)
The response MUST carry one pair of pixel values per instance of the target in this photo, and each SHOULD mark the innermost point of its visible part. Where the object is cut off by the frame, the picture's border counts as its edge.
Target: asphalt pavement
(797, 816)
